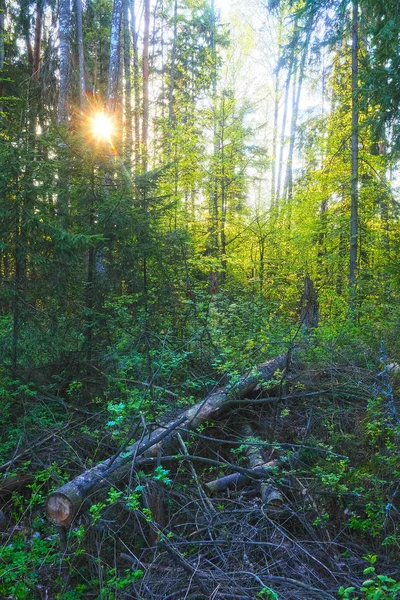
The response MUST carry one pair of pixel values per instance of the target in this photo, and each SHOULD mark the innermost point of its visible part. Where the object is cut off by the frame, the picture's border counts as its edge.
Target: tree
(354, 149)
(115, 56)
(64, 34)
(81, 56)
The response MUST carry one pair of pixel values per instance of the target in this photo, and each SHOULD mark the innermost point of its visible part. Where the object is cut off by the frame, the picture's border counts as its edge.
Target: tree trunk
(128, 89)
(2, 18)
(26, 29)
(63, 505)
(2, 31)
(214, 206)
(38, 38)
(256, 463)
(224, 203)
(136, 86)
(309, 309)
(276, 113)
(81, 57)
(295, 113)
(173, 66)
(145, 67)
(354, 154)
(115, 46)
(275, 139)
(284, 118)
(64, 35)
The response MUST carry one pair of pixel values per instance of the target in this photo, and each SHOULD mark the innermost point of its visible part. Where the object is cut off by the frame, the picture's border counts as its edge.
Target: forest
(199, 299)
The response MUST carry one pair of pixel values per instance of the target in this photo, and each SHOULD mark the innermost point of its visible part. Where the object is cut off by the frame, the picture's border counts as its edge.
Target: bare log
(63, 504)
(239, 480)
(269, 493)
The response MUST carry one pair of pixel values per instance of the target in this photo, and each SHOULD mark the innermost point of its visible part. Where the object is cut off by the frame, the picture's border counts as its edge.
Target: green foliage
(21, 563)
(376, 587)
(127, 292)
(267, 594)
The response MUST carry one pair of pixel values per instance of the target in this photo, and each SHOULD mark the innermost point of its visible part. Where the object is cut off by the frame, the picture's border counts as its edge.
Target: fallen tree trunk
(240, 480)
(269, 492)
(63, 504)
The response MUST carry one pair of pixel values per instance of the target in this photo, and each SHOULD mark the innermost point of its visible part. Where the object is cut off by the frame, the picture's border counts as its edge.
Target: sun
(102, 126)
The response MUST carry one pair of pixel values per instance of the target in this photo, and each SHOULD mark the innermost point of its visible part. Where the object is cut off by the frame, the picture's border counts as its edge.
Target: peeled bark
(63, 505)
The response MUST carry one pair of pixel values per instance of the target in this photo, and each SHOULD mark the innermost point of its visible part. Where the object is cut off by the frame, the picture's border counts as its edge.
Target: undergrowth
(337, 446)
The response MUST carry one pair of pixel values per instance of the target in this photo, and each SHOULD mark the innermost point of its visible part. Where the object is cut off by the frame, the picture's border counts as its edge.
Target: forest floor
(289, 499)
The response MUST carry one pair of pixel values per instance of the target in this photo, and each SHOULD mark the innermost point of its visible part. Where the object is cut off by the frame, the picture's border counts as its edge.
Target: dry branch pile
(64, 504)
(237, 497)
(239, 517)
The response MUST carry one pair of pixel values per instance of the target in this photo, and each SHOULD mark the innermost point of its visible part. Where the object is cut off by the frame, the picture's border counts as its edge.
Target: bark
(81, 58)
(25, 20)
(173, 67)
(354, 151)
(284, 118)
(269, 492)
(90, 276)
(276, 113)
(63, 505)
(128, 88)
(64, 35)
(223, 194)
(214, 205)
(145, 67)
(115, 45)
(2, 16)
(19, 280)
(136, 86)
(309, 310)
(275, 139)
(295, 113)
(239, 480)
(38, 38)
(2, 19)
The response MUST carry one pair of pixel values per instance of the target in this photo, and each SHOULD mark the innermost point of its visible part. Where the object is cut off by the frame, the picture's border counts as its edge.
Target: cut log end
(60, 510)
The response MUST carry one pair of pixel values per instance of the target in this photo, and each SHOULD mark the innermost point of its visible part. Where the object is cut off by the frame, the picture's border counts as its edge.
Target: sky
(224, 6)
